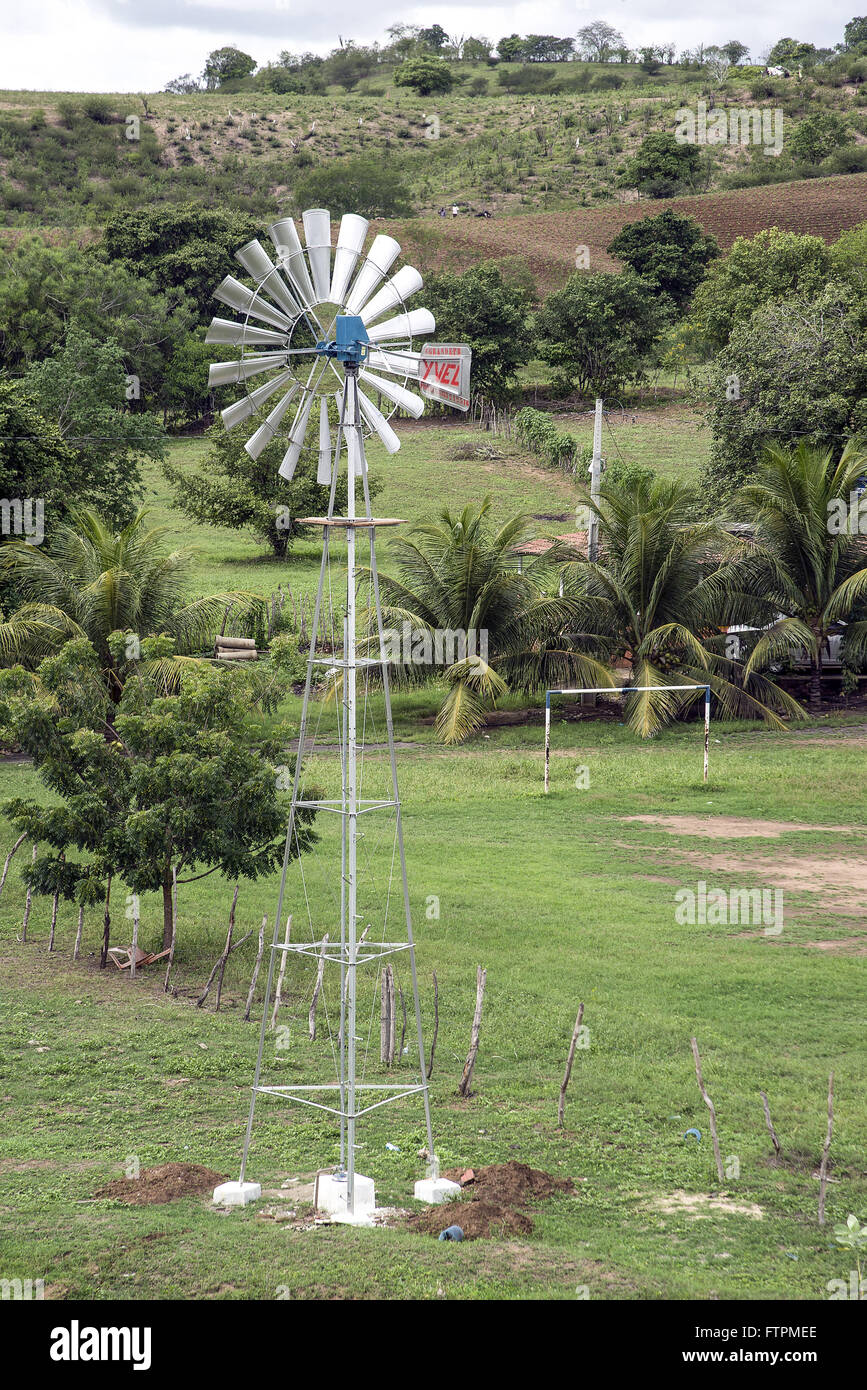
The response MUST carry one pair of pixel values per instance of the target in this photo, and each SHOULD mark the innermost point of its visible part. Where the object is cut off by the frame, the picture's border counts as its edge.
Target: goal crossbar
(624, 690)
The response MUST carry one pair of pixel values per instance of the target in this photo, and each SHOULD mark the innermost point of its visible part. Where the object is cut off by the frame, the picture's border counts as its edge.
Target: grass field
(562, 899)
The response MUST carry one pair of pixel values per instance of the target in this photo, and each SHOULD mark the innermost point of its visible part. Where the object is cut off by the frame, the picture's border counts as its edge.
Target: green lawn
(562, 900)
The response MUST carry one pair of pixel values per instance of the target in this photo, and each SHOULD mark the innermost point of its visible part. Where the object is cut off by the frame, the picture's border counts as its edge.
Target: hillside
(548, 240)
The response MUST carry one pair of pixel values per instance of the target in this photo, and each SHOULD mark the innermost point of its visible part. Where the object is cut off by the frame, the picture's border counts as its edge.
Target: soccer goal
(624, 690)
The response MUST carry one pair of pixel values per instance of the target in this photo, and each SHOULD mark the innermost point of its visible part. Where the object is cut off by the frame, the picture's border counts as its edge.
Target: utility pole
(595, 471)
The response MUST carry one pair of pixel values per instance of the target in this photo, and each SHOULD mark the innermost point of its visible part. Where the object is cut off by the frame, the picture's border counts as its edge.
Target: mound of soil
(164, 1183)
(494, 1201)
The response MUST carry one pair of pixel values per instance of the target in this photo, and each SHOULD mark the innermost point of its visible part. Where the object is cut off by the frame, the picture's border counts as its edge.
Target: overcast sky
(138, 45)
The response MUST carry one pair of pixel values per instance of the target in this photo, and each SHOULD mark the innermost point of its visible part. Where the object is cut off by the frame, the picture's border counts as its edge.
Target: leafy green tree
(457, 574)
(670, 251)
(787, 52)
(435, 38)
(796, 369)
(599, 40)
(661, 167)
(489, 311)
(511, 49)
(598, 330)
(89, 581)
(184, 246)
(35, 460)
(734, 50)
(817, 136)
(855, 33)
(477, 50)
(231, 489)
(83, 389)
(662, 584)
(849, 258)
(425, 76)
(365, 185)
(809, 575)
(771, 265)
(228, 64)
(178, 787)
(43, 289)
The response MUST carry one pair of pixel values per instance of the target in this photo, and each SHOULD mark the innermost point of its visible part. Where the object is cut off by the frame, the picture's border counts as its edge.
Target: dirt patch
(853, 946)
(494, 1201)
(164, 1183)
(699, 1204)
(738, 827)
(841, 880)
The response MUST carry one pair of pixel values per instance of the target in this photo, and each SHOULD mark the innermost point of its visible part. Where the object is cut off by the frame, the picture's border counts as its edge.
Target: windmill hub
(351, 345)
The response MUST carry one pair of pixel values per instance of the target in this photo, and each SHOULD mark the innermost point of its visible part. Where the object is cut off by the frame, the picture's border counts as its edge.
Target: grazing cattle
(777, 72)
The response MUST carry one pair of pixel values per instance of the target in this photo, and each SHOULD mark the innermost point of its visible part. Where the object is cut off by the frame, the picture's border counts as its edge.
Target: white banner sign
(445, 374)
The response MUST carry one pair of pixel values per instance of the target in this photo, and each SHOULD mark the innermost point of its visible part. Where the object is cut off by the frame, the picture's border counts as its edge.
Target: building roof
(577, 539)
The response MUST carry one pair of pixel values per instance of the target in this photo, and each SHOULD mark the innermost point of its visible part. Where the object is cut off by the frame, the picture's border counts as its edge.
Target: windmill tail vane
(321, 332)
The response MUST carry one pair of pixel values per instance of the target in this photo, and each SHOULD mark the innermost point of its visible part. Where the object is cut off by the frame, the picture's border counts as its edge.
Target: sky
(139, 45)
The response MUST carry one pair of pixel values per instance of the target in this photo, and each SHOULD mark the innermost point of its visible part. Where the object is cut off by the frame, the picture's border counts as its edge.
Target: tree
(477, 50)
(796, 369)
(489, 311)
(734, 50)
(597, 331)
(232, 489)
(90, 581)
(662, 167)
(855, 32)
(511, 49)
(809, 575)
(182, 246)
(670, 251)
(367, 186)
(819, 135)
(227, 65)
(849, 258)
(180, 788)
(425, 76)
(82, 388)
(661, 585)
(43, 289)
(35, 460)
(435, 38)
(771, 265)
(599, 40)
(183, 85)
(457, 575)
(786, 52)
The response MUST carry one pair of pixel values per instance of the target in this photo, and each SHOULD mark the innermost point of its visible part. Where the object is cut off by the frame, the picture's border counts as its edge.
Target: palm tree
(663, 588)
(92, 581)
(807, 568)
(456, 575)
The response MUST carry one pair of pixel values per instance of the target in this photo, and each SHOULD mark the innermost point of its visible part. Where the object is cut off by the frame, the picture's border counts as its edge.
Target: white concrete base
(236, 1194)
(331, 1199)
(436, 1190)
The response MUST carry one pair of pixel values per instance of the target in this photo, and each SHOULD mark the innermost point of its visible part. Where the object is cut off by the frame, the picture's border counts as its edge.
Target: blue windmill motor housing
(351, 344)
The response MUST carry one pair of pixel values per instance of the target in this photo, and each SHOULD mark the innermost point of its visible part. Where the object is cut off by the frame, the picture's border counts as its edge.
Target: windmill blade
(398, 363)
(407, 281)
(377, 263)
(378, 423)
(412, 325)
(407, 400)
(323, 471)
(230, 291)
(290, 254)
(350, 240)
(243, 409)
(268, 428)
(256, 261)
(233, 334)
(230, 373)
(317, 234)
(353, 448)
(296, 438)
(355, 453)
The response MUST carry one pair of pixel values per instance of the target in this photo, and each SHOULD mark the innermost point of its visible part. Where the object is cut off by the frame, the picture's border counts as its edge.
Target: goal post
(624, 690)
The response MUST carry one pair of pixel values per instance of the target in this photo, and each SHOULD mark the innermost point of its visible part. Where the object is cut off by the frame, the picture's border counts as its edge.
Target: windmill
(321, 333)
